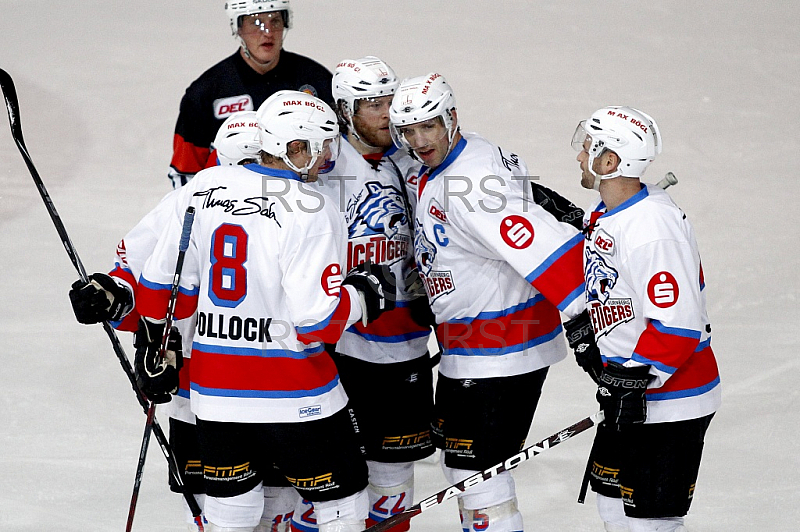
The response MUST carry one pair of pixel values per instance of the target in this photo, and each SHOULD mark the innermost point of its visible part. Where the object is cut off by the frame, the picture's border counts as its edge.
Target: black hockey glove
(377, 288)
(563, 209)
(580, 337)
(418, 305)
(621, 394)
(101, 299)
(157, 376)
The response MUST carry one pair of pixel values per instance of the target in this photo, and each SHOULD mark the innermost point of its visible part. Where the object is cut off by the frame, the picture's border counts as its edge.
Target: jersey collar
(633, 200)
(273, 172)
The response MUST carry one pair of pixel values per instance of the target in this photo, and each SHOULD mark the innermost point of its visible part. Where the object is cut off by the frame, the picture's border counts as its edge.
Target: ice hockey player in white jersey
(384, 366)
(658, 382)
(498, 270)
(110, 297)
(264, 273)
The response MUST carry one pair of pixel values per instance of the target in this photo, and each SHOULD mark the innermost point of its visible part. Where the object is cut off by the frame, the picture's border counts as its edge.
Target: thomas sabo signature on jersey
(256, 205)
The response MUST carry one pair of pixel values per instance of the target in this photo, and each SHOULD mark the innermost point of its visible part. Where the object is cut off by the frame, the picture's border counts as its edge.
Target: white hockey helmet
(238, 139)
(235, 9)
(420, 99)
(633, 135)
(287, 116)
(368, 77)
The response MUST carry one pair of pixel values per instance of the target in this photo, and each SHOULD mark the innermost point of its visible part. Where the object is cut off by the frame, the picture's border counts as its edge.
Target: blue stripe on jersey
(396, 339)
(675, 331)
(557, 254)
(679, 394)
(254, 352)
(703, 345)
(578, 292)
(318, 326)
(191, 292)
(499, 351)
(264, 394)
(660, 366)
(494, 314)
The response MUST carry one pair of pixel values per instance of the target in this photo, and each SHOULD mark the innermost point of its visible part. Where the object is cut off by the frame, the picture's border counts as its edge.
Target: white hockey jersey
(373, 201)
(645, 295)
(131, 255)
(497, 267)
(263, 272)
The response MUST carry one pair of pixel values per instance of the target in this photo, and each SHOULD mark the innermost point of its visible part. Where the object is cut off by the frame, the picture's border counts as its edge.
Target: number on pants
(228, 276)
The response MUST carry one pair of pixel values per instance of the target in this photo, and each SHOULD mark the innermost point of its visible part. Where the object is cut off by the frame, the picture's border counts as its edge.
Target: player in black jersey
(241, 82)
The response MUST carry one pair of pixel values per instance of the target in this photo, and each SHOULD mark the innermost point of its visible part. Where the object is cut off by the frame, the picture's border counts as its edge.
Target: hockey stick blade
(12, 106)
(506, 465)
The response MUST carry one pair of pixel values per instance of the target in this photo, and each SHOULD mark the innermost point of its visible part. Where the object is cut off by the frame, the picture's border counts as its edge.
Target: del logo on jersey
(377, 226)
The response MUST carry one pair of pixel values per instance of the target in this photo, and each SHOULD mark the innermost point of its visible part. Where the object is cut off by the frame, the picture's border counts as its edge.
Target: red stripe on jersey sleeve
(186, 157)
(698, 371)
(153, 302)
(664, 350)
(517, 328)
(333, 329)
(563, 278)
(242, 372)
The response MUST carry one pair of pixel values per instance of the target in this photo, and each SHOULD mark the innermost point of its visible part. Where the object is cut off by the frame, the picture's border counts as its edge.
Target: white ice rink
(99, 84)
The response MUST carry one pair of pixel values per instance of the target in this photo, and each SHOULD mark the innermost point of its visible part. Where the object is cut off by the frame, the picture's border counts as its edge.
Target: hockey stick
(188, 219)
(506, 465)
(12, 105)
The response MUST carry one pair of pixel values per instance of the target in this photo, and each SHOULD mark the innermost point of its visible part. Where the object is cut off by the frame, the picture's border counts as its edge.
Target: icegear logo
(600, 277)
(309, 411)
(381, 212)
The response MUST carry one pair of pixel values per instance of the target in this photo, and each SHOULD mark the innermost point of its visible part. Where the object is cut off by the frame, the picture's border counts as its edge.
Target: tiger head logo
(600, 277)
(377, 210)
(424, 250)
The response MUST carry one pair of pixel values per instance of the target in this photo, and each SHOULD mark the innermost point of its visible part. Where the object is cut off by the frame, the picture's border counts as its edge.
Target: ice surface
(99, 85)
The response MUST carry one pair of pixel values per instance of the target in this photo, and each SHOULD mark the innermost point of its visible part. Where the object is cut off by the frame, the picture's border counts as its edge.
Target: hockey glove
(563, 209)
(101, 299)
(377, 289)
(418, 305)
(621, 394)
(157, 376)
(580, 337)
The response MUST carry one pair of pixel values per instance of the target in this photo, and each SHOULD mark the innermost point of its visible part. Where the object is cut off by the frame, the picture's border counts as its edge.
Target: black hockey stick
(188, 219)
(12, 105)
(506, 465)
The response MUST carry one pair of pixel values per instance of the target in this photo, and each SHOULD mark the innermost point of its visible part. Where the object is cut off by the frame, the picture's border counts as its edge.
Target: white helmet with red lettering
(368, 77)
(236, 9)
(420, 99)
(238, 139)
(287, 116)
(633, 135)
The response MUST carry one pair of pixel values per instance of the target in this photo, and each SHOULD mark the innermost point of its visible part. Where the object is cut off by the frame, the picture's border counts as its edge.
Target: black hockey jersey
(230, 86)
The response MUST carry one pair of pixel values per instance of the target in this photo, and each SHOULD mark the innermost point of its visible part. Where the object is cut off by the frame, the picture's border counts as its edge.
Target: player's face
(371, 121)
(262, 33)
(303, 158)
(429, 140)
(587, 179)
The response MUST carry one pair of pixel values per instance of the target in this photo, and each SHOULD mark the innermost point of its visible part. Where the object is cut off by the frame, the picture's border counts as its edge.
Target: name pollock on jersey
(213, 325)
(605, 317)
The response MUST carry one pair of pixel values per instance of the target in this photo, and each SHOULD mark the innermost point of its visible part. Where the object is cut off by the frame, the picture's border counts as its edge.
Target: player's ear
(610, 161)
